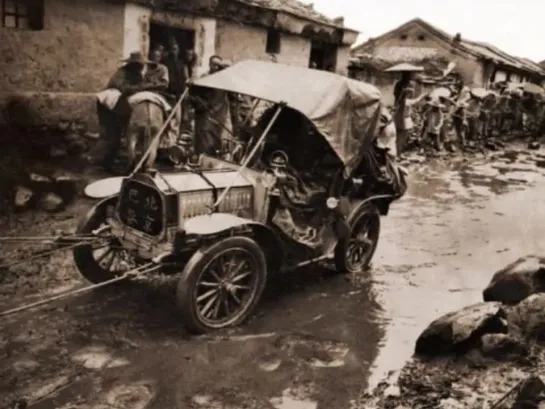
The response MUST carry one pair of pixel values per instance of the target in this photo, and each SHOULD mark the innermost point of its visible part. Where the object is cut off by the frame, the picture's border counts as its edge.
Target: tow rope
(60, 243)
(131, 274)
(66, 242)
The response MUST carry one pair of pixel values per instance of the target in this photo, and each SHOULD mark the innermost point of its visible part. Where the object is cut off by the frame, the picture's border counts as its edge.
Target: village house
(479, 64)
(56, 54)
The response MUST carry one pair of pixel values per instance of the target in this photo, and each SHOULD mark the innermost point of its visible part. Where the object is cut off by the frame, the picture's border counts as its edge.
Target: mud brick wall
(240, 42)
(416, 45)
(54, 71)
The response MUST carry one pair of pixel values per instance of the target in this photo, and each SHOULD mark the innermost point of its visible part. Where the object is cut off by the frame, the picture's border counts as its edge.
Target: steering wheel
(278, 160)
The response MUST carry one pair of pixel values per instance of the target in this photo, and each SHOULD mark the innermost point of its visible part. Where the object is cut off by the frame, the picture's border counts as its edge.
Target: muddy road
(319, 340)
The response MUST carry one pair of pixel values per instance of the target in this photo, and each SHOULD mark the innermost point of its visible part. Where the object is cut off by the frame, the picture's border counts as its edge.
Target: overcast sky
(515, 26)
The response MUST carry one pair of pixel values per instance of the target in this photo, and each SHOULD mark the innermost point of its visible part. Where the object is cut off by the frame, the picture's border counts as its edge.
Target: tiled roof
(494, 53)
(432, 66)
(478, 49)
(294, 7)
(367, 61)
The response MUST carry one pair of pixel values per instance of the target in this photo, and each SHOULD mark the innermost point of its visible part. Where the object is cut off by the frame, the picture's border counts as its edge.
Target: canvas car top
(343, 110)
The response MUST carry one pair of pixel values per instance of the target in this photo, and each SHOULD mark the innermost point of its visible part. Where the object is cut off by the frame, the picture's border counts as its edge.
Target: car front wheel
(221, 284)
(99, 263)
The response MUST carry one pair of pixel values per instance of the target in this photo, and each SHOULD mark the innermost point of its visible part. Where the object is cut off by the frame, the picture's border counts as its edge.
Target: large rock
(23, 197)
(40, 183)
(50, 202)
(66, 185)
(517, 281)
(459, 331)
(502, 346)
(528, 317)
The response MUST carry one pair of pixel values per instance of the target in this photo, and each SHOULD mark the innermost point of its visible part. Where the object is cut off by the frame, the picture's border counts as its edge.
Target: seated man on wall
(113, 108)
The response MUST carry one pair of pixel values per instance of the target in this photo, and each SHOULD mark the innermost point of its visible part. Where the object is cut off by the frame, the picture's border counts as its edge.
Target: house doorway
(161, 34)
(323, 56)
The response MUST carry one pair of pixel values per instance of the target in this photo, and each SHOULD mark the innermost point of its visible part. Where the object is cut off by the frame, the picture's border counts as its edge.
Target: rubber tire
(83, 255)
(340, 248)
(192, 271)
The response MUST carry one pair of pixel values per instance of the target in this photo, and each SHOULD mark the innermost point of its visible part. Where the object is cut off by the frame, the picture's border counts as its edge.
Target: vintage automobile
(307, 189)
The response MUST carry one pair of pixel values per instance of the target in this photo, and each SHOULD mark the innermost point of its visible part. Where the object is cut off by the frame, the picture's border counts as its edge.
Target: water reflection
(441, 244)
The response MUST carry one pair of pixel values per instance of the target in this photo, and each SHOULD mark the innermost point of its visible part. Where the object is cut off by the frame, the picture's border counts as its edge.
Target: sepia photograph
(272, 204)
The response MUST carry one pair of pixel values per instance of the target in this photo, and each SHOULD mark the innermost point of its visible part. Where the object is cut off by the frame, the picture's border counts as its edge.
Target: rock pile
(39, 166)
(50, 194)
(497, 341)
(512, 314)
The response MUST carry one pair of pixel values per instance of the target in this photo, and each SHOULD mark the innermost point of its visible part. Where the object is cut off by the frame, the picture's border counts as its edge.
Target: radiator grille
(239, 200)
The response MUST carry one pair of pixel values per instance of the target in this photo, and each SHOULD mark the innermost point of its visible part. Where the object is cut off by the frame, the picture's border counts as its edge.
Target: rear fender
(218, 223)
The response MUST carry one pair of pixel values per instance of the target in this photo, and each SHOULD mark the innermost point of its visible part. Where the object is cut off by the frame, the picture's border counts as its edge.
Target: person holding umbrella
(402, 90)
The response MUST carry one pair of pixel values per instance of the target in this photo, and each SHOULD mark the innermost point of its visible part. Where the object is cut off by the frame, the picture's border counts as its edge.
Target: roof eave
(513, 67)
(310, 20)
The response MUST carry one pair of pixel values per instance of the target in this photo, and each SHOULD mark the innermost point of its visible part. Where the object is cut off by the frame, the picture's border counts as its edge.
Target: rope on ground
(41, 254)
(508, 394)
(46, 239)
(144, 269)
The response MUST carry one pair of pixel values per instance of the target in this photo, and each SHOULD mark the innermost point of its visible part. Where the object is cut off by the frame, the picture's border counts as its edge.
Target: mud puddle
(318, 338)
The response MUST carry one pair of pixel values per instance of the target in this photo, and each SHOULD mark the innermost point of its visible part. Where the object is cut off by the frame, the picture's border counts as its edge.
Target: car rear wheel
(106, 261)
(353, 254)
(221, 284)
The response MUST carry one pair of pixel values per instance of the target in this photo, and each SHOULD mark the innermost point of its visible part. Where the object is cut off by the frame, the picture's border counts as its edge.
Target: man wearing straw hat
(113, 108)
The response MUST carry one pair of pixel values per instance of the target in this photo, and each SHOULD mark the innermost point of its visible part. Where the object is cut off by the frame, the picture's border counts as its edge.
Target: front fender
(215, 223)
(104, 188)
(99, 210)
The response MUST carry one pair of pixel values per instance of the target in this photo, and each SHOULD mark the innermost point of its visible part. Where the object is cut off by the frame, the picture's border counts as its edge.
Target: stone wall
(77, 51)
(241, 42)
(56, 69)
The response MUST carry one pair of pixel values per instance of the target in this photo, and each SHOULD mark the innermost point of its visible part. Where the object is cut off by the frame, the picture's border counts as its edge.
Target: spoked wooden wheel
(221, 284)
(99, 263)
(354, 254)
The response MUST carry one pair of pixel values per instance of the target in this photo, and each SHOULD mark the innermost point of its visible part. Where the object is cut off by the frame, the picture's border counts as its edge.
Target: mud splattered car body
(227, 226)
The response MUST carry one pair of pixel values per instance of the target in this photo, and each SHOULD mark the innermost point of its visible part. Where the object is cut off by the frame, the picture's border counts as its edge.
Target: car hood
(180, 181)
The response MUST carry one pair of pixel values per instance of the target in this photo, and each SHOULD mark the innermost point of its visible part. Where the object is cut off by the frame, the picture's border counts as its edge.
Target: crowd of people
(449, 114)
(456, 114)
(166, 72)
